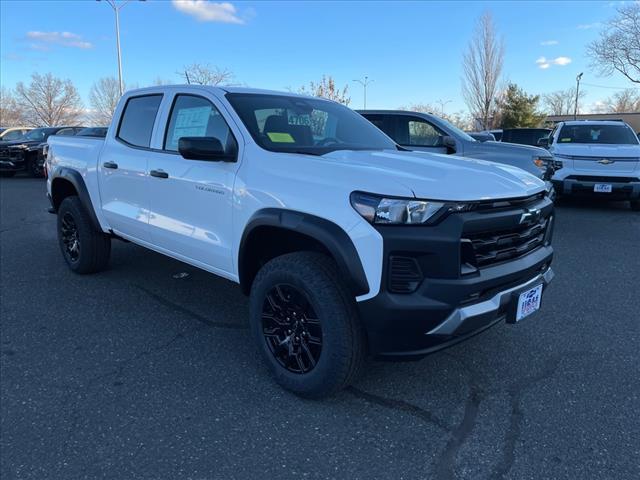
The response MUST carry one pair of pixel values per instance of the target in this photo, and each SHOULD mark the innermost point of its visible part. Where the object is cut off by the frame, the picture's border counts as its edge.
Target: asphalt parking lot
(141, 372)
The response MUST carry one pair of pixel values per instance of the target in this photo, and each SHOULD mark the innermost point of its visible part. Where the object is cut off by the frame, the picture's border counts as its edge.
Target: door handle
(110, 165)
(159, 174)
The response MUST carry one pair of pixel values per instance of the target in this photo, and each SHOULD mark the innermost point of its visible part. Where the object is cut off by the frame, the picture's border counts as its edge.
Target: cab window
(193, 116)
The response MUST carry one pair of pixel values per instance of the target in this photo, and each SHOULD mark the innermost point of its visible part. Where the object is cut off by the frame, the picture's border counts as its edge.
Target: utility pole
(364, 83)
(575, 110)
(116, 9)
(442, 104)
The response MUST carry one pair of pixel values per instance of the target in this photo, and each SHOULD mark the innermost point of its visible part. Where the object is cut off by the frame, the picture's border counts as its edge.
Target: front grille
(494, 247)
(404, 274)
(593, 178)
(9, 154)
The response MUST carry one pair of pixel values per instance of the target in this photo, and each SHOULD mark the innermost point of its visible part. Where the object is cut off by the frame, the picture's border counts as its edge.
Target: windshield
(603, 134)
(291, 124)
(37, 134)
(457, 132)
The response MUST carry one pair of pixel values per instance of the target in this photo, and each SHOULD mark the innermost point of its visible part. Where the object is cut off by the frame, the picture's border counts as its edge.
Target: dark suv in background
(27, 152)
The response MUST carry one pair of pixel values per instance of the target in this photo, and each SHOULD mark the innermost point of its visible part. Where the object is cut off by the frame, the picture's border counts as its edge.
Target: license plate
(602, 188)
(528, 302)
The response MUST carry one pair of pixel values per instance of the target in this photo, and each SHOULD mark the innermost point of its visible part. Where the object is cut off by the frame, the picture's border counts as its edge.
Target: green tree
(517, 109)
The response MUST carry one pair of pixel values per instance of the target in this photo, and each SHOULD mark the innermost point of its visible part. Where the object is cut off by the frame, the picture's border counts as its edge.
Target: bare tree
(103, 97)
(205, 74)
(562, 102)
(618, 48)
(326, 88)
(625, 101)
(11, 113)
(49, 101)
(482, 66)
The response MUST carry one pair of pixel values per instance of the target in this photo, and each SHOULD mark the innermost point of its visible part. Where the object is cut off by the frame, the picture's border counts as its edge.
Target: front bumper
(13, 161)
(629, 189)
(451, 302)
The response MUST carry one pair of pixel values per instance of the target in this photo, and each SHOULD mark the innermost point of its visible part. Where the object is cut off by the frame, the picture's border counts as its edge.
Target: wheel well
(266, 243)
(61, 189)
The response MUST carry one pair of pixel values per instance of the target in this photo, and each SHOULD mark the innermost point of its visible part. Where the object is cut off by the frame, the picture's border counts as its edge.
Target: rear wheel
(635, 205)
(306, 325)
(84, 249)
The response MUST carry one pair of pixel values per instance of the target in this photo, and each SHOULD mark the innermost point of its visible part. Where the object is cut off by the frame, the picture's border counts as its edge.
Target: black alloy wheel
(291, 328)
(70, 237)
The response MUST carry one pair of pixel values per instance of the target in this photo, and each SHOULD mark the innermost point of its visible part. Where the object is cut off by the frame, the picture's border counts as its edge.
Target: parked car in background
(482, 136)
(93, 132)
(524, 136)
(13, 133)
(428, 133)
(27, 152)
(596, 158)
(497, 134)
(409, 253)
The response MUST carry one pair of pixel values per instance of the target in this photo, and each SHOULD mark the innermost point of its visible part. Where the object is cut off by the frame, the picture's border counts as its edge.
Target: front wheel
(306, 325)
(84, 249)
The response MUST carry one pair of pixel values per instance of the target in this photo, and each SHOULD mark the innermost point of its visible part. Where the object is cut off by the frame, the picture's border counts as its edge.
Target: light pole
(575, 110)
(364, 83)
(442, 104)
(116, 9)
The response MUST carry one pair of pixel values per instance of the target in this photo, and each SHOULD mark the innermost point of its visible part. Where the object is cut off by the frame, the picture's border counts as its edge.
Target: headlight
(395, 211)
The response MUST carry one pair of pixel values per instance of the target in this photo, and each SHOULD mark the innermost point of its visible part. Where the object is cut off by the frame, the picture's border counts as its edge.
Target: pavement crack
(399, 405)
(196, 316)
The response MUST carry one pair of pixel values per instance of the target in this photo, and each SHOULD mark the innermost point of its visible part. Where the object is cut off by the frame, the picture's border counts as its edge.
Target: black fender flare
(330, 235)
(75, 178)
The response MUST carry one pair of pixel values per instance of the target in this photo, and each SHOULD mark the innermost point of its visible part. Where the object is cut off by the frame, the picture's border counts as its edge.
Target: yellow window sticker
(280, 137)
(565, 139)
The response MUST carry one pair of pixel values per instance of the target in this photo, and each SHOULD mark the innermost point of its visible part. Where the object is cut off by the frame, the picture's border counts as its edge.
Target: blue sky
(411, 50)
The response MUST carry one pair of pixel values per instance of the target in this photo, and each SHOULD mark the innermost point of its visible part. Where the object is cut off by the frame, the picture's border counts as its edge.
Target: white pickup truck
(596, 158)
(348, 245)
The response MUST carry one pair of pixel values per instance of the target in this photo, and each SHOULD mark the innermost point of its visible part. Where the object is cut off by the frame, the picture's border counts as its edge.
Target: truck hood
(516, 148)
(440, 177)
(597, 150)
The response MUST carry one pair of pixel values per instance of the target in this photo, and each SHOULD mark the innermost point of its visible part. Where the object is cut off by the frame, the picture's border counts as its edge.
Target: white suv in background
(596, 158)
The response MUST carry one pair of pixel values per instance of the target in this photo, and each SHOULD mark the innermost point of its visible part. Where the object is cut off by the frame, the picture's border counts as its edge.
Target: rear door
(191, 201)
(122, 168)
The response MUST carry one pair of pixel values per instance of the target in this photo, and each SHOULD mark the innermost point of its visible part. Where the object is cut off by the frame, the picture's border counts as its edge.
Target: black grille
(9, 154)
(591, 178)
(404, 274)
(499, 246)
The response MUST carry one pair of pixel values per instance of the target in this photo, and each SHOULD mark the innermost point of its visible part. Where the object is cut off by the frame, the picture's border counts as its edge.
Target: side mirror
(449, 142)
(204, 148)
(543, 142)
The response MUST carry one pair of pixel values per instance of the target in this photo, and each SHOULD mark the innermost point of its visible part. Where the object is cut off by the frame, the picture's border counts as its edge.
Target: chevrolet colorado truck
(599, 159)
(348, 245)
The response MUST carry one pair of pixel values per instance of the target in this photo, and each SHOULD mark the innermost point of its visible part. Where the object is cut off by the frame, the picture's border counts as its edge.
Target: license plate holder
(603, 188)
(525, 302)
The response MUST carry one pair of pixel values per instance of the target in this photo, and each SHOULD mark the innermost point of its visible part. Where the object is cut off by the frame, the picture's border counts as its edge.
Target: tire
(7, 173)
(33, 168)
(635, 205)
(328, 313)
(84, 249)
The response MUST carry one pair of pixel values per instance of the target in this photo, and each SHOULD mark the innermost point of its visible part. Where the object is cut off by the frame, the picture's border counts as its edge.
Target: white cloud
(43, 40)
(544, 62)
(547, 43)
(588, 26)
(206, 11)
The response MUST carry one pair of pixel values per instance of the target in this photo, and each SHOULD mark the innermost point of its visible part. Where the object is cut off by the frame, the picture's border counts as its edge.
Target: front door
(191, 200)
(417, 134)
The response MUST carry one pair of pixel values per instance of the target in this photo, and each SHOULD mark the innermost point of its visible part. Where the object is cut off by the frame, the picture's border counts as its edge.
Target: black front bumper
(622, 188)
(452, 299)
(12, 161)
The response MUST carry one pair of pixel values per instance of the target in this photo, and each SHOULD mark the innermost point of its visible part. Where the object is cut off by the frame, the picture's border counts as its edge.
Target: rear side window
(136, 124)
(66, 132)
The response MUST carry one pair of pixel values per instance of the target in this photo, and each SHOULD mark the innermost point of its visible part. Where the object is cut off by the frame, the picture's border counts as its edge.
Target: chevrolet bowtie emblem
(606, 161)
(530, 216)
